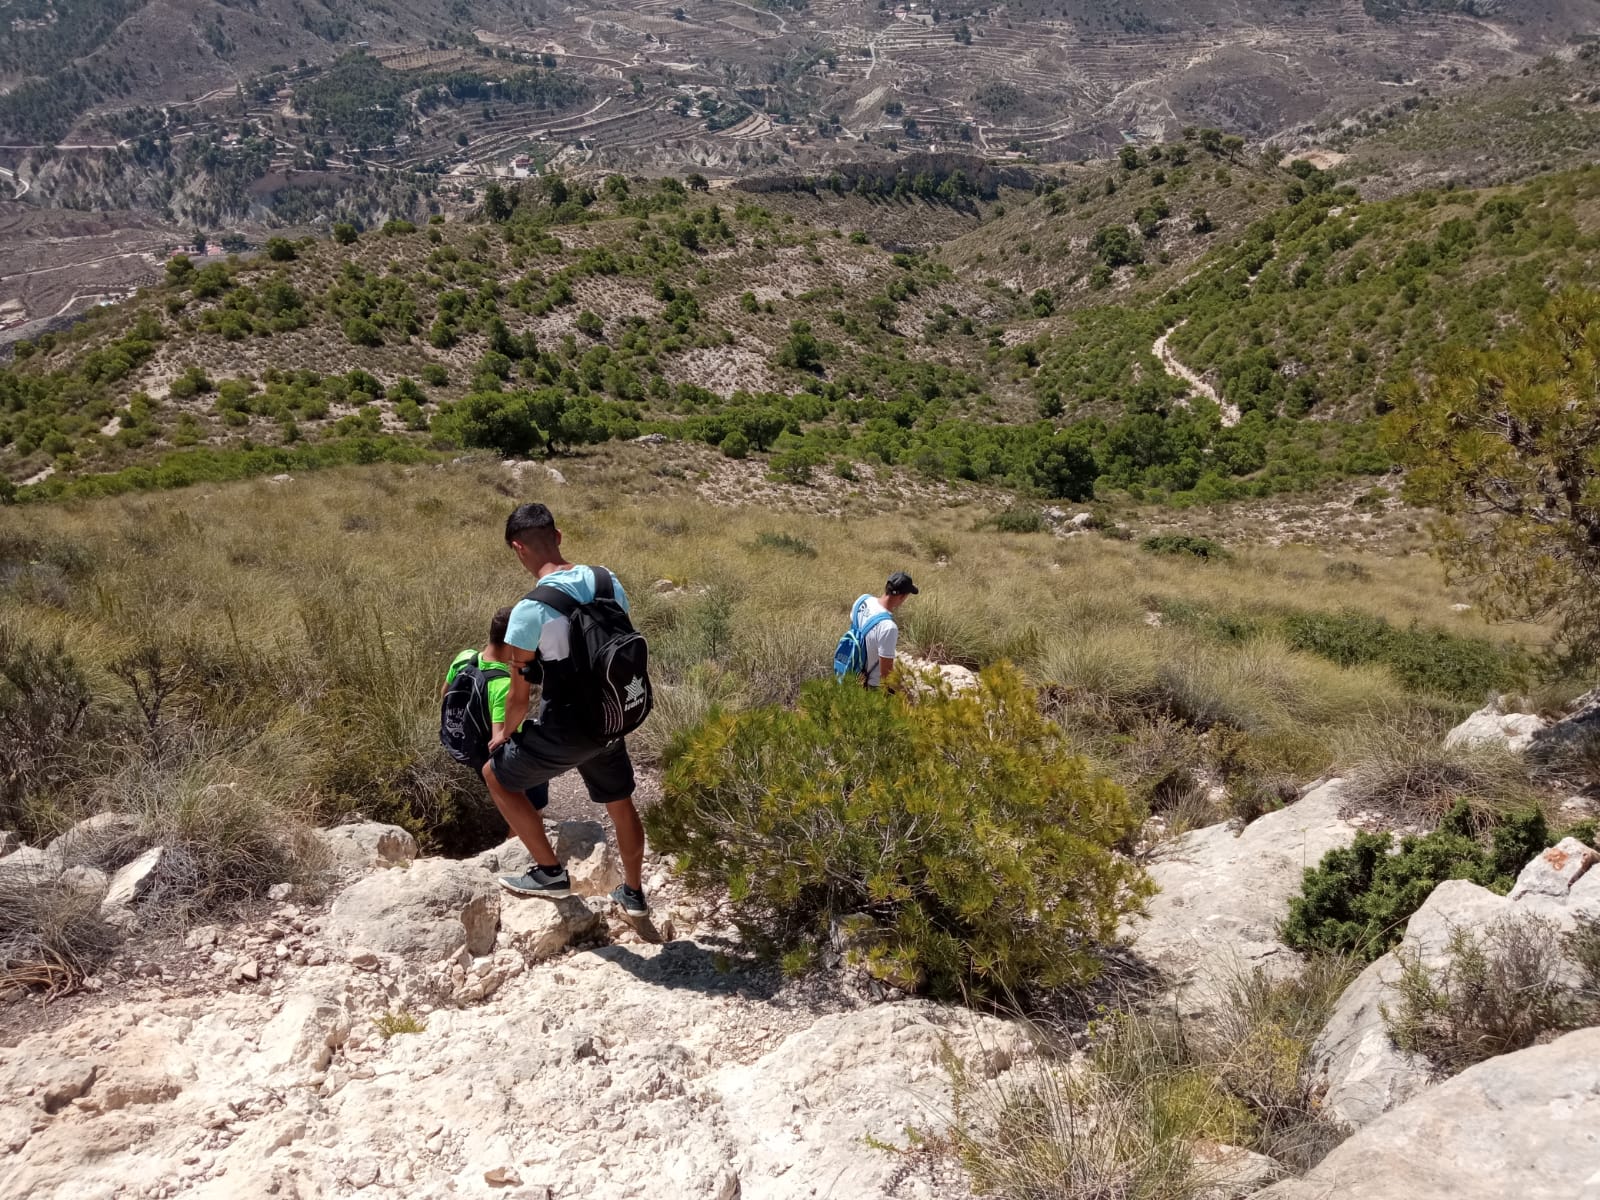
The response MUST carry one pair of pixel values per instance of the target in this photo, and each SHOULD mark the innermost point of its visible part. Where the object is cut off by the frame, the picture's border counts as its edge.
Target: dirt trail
(1230, 412)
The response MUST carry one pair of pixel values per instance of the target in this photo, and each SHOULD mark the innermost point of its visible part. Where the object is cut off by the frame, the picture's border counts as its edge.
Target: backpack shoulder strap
(555, 598)
(604, 584)
(874, 621)
(855, 610)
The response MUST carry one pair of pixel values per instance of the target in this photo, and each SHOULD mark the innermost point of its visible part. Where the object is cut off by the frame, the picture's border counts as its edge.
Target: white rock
(592, 862)
(510, 857)
(30, 865)
(1490, 726)
(134, 881)
(105, 839)
(90, 882)
(1082, 520)
(1365, 1074)
(368, 844)
(540, 928)
(280, 891)
(302, 1037)
(1524, 1124)
(9, 841)
(1232, 1172)
(423, 911)
(1224, 894)
(1555, 871)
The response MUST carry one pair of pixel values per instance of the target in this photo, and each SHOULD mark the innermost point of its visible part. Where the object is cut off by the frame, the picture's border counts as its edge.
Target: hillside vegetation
(288, 638)
(1022, 350)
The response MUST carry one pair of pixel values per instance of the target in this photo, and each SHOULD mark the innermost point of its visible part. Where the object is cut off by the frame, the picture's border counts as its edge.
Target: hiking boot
(631, 901)
(550, 882)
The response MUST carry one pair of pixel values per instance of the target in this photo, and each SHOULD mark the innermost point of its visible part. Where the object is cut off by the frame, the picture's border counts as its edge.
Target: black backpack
(604, 683)
(464, 725)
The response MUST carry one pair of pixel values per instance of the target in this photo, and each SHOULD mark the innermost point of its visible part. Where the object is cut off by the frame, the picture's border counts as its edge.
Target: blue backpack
(850, 658)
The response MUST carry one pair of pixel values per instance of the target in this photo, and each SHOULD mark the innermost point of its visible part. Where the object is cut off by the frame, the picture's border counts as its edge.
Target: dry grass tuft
(1412, 779)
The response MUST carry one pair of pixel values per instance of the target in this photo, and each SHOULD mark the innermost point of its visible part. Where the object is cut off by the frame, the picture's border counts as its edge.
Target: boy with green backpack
(473, 703)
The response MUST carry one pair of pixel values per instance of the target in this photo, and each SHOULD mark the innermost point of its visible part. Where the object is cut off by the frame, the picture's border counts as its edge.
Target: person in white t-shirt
(884, 637)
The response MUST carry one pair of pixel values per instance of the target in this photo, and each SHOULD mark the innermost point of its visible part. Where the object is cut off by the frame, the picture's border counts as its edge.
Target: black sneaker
(631, 900)
(550, 882)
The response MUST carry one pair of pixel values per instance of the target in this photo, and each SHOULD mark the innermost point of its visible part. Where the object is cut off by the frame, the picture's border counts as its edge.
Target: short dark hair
(498, 625)
(529, 519)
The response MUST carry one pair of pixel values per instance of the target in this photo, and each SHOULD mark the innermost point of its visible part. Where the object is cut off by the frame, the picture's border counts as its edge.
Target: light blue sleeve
(526, 624)
(622, 596)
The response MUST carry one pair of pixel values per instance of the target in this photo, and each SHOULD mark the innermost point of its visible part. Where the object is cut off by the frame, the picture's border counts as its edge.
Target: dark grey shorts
(541, 752)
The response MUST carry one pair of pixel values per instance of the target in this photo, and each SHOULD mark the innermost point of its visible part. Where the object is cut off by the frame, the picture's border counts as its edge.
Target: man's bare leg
(526, 821)
(630, 840)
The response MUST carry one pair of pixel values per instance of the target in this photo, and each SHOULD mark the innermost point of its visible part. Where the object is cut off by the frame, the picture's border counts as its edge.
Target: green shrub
(400, 1021)
(1184, 543)
(1019, 519)
(964, 848)
(1427, 661)
(1358, 899)
(785, 543)
(735, 445)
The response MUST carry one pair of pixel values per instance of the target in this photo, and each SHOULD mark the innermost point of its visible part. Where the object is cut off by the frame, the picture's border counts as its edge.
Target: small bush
(1054, 1134)
(971, 850)
(792, 467)
(1019, 520)
(1358, 899)
(1125, 1121)
(735, 445)
(785, 543)
(392, 1024)
(1499, 990)
(946, 632)
(1185, 544)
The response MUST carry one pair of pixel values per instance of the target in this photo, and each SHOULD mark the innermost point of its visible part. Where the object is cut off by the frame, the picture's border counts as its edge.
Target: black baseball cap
(900, 585)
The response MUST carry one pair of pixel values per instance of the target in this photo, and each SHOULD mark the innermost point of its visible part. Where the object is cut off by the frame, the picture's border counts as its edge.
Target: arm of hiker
(516, 699)
(885, 670)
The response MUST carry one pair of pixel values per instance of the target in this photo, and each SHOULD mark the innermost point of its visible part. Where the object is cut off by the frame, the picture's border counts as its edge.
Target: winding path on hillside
(1164, 355)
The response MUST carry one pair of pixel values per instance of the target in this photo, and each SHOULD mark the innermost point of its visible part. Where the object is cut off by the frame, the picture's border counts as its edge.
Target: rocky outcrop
(1491, 725)
(1366, 1075)
(1224, 892)
(1525, 1124)
(618, 1070)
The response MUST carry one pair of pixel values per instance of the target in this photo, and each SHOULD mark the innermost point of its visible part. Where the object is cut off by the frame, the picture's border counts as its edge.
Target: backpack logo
(633, 695)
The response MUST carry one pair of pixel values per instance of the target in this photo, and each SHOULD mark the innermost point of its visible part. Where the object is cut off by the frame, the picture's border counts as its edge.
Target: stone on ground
(541, 928)
(1492, 726)
(107, 840)
(424, 911)
(368, 844)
